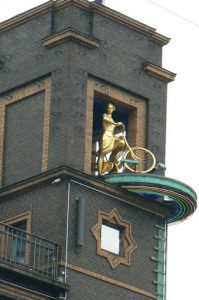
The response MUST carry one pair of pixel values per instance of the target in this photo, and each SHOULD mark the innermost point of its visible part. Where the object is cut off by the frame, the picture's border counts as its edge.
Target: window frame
(128, 244)
(137, 107)
(25, 217)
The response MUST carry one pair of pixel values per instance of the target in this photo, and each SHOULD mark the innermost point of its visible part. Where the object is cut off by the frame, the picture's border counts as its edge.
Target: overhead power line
(173, 13)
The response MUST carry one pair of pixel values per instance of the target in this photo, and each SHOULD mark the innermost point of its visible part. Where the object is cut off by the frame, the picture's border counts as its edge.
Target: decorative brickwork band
(112, 281)
(46, 125)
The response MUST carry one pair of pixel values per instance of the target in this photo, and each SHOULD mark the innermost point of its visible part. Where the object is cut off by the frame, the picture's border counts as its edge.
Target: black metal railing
(25, 250)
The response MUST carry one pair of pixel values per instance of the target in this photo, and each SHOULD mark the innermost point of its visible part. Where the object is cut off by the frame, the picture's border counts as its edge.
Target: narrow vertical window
(17, 237)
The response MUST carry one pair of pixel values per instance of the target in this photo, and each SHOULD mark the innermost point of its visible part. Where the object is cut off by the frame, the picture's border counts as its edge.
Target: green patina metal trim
(161, 268)
(151, 179)
(130, 161)
(181, 197)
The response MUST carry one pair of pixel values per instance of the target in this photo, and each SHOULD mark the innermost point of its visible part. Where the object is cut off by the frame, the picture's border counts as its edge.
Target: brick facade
(55, 58)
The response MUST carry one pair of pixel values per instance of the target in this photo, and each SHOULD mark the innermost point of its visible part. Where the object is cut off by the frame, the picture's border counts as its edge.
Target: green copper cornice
(164, 190)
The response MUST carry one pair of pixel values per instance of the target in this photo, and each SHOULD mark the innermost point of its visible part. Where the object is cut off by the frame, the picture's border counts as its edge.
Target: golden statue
(115, 154)
(109, 143)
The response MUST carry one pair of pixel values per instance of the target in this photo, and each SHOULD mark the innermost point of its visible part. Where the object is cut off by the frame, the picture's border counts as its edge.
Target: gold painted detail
(70, 35)
(111, 281)
(129, 244)
(120, 155)
(159, 72)
(43, 85)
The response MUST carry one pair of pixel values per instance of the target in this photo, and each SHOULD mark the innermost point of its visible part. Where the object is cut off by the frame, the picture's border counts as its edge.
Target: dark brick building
(61, 63)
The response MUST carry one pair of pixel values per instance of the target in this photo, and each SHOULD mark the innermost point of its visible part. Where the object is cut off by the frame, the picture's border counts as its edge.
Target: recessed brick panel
(23, 138)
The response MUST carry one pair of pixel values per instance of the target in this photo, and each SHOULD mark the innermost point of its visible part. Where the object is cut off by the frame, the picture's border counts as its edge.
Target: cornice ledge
(130, 23)
(159, 72)
(159, 38)
(89, 6)
(25, 16)
(40, 10)
(70, 35)
(68, 174)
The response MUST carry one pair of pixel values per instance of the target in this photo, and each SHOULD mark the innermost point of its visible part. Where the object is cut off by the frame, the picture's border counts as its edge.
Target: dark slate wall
(72, 17)
(119, 61)
(48, 206)
(23, 53)
(23, 139)
(140, 273)
(84, 287)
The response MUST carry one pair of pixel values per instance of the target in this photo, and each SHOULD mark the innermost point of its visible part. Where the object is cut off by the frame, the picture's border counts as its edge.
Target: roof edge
(89, 6)
(25, 16)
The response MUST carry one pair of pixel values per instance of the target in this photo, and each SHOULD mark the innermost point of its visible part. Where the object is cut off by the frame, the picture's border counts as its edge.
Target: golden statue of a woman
(109, 143)
(116, 155)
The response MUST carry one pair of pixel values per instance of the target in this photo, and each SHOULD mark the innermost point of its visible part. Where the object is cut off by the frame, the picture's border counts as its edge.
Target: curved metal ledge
(163, 190)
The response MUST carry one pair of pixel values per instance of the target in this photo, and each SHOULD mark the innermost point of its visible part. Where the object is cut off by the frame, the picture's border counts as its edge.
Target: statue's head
(110, 108)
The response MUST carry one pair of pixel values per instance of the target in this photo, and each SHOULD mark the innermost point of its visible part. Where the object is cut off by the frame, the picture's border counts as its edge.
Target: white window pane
(110, 239)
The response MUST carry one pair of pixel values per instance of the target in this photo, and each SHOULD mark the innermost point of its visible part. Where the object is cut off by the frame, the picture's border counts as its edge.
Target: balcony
(28, 252)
